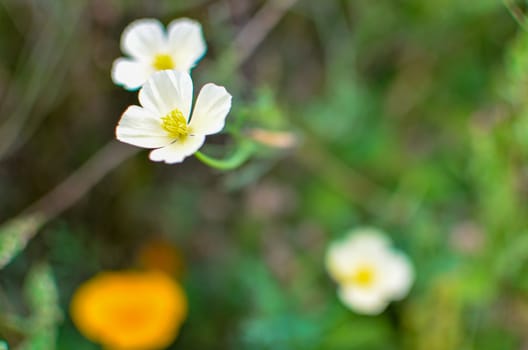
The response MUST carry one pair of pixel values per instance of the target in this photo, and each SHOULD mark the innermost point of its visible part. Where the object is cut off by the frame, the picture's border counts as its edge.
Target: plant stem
(243, 152)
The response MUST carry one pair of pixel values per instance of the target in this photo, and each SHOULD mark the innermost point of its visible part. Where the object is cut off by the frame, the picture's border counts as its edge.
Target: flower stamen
(364, 276)
(163, 62)
(175, 125)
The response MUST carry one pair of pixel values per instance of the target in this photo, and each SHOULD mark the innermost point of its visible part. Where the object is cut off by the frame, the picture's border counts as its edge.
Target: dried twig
(82, 180)
(254, 32)
(17, 232)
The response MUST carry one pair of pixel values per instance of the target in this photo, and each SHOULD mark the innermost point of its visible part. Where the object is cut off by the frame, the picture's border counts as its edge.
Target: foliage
(410, 116)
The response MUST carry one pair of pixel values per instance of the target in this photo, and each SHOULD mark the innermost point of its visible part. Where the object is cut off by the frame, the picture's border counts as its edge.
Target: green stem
(243, 152)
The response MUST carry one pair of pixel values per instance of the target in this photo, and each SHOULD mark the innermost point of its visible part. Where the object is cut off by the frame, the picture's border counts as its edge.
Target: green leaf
(42, 296)
(284, 331)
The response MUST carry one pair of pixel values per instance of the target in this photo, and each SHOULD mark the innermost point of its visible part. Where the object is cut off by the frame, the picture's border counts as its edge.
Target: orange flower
(129, 310)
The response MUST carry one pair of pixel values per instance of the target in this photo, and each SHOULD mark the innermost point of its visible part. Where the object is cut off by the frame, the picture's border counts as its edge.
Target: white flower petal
(399, 276)
(140, 127)
(144, 38)
(130, 74)
(167, 90)
(340, 261)
(361, 301)
(211, 109)
(178, 150)
(361, 247)
(368, 239)
(186, 43)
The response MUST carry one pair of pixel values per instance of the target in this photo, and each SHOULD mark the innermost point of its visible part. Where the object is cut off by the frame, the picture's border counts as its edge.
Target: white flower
(368, 271)
(151, 49)
(164, 119)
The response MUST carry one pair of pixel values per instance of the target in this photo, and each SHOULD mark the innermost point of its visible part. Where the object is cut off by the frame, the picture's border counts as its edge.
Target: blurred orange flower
(129, 310)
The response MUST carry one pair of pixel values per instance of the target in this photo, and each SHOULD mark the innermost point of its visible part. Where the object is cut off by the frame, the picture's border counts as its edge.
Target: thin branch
(256, 30)
(18, 231)
(82, 180)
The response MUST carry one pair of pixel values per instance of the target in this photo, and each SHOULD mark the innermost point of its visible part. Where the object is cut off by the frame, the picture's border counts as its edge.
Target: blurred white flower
(164, 119)
(152, 49)
(368, 271)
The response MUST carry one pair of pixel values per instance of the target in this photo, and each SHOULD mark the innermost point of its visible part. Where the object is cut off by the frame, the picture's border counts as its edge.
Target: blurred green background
(411, 116)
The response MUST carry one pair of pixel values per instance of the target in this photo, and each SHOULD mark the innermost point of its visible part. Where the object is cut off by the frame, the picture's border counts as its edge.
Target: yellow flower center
(175, 125)
(364, 276)
(163, 62)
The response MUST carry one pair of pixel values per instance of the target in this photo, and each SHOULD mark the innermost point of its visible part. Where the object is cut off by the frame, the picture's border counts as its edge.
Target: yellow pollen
(364, 276)
(163, 62)
(175, 125)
